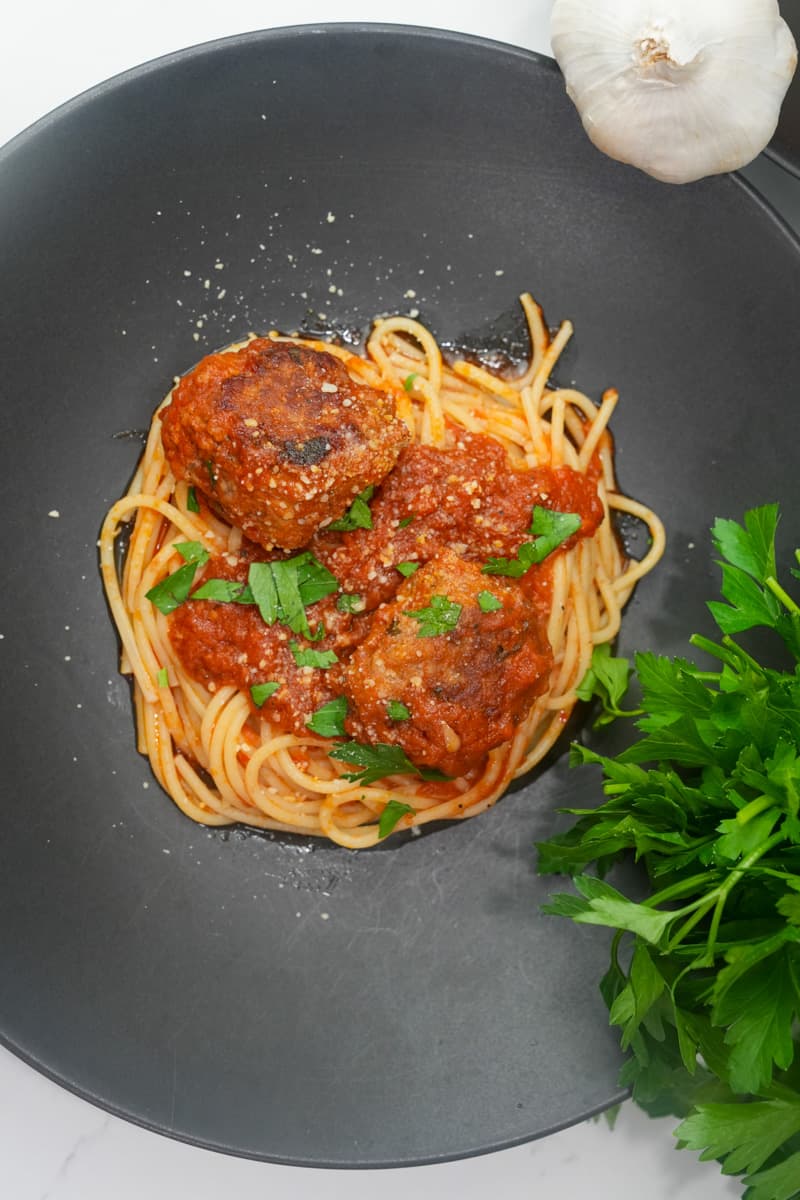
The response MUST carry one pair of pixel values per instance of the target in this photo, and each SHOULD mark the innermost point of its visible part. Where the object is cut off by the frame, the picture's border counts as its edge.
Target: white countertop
(54, 1146)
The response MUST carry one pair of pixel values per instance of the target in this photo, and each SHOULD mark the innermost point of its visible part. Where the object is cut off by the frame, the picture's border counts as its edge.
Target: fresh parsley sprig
(607, 679)
(707, 798)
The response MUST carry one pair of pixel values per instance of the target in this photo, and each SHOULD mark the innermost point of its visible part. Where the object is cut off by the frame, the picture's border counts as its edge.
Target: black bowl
(254, 994)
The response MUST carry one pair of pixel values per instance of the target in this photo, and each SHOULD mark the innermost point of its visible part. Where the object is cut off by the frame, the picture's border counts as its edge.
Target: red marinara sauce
(452, 508)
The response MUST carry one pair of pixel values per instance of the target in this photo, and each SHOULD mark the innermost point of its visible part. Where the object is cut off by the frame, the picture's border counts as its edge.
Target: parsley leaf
(328, 721)
(397, 711)
(192, 502)
(291, 609)
(394, 811)
(488, 602)
(407, 568)
(321, 659)
(262, 585)
(192, 552)
(171, 592)
(373, 762)
(358, 515)
(749, 582)
(440, 616)
(607, 679)
(314, 581)
(261, 692)
(350, 602)
(551, 529)
(408, 382)
(378, 761)
(229, 591)
(742, 1136)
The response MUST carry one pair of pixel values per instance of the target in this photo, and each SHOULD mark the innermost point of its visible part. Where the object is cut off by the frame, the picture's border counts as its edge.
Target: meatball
(279, 438)
(442, 675)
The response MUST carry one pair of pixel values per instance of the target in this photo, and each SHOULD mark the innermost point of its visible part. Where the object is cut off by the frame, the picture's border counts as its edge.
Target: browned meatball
(279, 438)
(447, 697)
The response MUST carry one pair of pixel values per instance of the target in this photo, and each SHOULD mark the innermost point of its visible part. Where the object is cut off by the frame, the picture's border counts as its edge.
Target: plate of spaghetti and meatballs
(457, 566)
(347, 393)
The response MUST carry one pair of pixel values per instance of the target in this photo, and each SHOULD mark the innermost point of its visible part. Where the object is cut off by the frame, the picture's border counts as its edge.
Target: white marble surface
(54, 1146)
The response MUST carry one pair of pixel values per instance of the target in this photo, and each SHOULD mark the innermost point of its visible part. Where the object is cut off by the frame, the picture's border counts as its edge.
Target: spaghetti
(222, 758)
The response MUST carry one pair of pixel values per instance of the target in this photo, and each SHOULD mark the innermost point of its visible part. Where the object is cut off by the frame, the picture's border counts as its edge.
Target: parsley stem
(782, 595)
(714, 649)
(728, 651)
(698, 910)
(678, 889)
(753, 809)
(717, 898)
(728, 887)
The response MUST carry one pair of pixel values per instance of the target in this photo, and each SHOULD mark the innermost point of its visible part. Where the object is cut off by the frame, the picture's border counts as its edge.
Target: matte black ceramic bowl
(259, 995)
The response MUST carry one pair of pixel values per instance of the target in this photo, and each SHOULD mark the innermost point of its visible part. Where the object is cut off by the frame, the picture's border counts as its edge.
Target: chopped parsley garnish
(550, 528)
(350, 602)
(391, 814)
(228, 591)
(312, 658)
(328, 721)
(291, 608)
(284, 589)
(162, 678)
(314, 581)
(265, 594)
(192, 503)
(358, 515)
(261, 692)
(441, 616)
(408, 382)
(397, 711)
(192, 552)
(406, 521)
(378, 761)
(488, 602)
(172, 591)
(407, 568)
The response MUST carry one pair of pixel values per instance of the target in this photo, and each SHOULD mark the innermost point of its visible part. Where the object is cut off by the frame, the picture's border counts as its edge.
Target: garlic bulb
(678, 88)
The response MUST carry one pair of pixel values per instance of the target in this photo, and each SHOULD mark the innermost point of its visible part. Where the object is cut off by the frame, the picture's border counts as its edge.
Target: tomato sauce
(462, 506)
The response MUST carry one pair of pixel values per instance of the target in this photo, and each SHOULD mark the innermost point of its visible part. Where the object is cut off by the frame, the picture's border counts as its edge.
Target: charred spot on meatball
(279, 438)
(308, 453)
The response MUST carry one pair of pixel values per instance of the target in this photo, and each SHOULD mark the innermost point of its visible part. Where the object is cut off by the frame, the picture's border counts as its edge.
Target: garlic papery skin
(679, 88)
